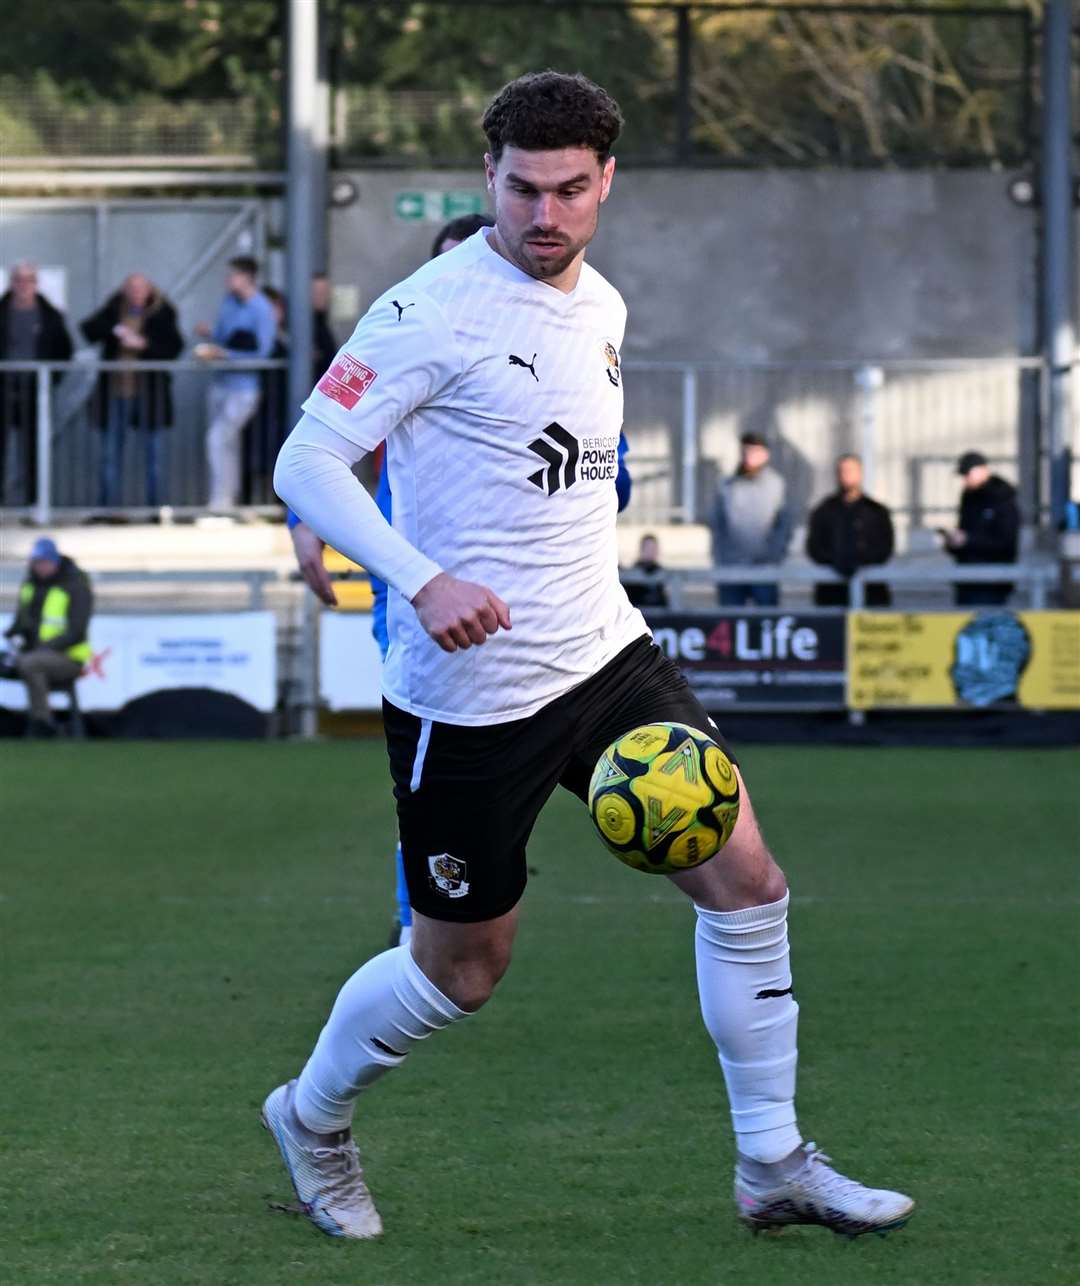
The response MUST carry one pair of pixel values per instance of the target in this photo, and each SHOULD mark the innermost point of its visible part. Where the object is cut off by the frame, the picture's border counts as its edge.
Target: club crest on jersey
(447, 875)
(347, 381)
(611, 357)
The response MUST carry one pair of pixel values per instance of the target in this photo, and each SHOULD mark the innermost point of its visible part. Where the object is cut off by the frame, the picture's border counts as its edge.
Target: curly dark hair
(545, 110)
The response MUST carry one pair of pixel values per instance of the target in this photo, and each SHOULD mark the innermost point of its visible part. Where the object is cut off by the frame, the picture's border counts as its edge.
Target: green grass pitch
(176, 918)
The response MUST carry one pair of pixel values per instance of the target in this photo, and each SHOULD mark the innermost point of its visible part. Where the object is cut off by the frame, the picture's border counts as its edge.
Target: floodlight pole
(1059, 337)
(303, 191)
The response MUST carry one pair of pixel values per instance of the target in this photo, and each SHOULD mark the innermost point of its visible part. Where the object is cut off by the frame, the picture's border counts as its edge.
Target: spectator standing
(245, 330)
(751, 523)
(31, 330)
(847, 531)
(51, 623)
(987, 530)
(653, 594)
(137, 323)
(324, 345)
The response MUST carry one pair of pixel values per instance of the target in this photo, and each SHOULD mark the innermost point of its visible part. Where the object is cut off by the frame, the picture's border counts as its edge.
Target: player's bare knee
(471, 982)
(467, 973)
(773, 884)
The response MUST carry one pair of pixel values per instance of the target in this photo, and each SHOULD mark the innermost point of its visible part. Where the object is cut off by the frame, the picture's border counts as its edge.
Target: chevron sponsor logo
(559, 450)
(570, 460)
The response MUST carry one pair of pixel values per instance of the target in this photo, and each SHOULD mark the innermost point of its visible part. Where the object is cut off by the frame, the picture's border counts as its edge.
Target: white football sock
(744, 982)
(379, 1015)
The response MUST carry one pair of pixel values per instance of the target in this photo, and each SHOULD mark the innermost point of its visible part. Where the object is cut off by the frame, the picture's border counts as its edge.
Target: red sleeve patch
(347, 381)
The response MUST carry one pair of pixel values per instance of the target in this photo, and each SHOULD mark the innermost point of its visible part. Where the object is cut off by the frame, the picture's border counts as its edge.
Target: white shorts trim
(421, 755)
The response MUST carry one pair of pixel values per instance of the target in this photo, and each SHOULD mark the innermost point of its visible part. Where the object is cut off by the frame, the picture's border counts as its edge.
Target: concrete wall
(760, 265)
(722, 266)
(784, 267)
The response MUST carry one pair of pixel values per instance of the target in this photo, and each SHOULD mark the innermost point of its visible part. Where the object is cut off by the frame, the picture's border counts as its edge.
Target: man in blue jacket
(245, 331)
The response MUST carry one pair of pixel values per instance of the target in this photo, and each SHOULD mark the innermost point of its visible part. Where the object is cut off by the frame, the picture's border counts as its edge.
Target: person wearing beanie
(50, 626)
(987, 530)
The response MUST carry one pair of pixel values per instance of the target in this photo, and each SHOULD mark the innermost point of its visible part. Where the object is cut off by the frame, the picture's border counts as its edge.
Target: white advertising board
(350, 667)
(232, 652)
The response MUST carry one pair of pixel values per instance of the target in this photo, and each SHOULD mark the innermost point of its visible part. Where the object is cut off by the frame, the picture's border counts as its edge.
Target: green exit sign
(438, 207)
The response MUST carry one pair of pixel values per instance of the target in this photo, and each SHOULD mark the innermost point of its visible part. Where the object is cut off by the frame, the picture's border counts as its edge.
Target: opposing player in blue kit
(515, 659)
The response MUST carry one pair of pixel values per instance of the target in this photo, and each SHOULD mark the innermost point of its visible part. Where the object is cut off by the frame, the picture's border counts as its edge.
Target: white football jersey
(500, 399)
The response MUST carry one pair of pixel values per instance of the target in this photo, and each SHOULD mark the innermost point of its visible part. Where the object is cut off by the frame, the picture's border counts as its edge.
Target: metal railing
(909, 420)
(1034, 578)
(683, 421)
(69, 433)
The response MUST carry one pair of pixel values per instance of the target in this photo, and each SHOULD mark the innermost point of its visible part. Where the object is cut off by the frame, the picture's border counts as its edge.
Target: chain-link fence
(700, 84)
(39, 125)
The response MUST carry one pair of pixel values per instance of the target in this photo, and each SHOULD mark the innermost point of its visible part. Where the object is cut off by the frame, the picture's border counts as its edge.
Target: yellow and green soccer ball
(664, 798)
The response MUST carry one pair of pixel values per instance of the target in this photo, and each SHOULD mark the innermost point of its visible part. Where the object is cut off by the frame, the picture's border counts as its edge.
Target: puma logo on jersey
(561, 454)
(529, 366)
(401, 308)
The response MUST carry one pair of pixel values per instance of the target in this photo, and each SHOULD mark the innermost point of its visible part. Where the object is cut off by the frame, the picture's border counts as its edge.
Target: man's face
(320, 294)
(974, 478)
(447, 243)
(547, 205)
(849, 474)
(650, 550)
(43, 568)
(754, 457)
(238, 283)
(137, 290)
(24, 285)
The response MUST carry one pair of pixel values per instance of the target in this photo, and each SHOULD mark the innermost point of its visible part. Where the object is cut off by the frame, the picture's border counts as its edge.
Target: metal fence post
(309, 664)
(868, 381)
(43, 502)
(683, 72)
(689, 443)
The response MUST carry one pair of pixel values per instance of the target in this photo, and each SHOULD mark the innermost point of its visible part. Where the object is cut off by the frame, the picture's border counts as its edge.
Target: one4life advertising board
(775, 660)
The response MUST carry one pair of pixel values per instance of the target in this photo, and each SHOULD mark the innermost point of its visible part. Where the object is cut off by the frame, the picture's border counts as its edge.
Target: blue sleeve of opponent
(378, 587)
(622, 478)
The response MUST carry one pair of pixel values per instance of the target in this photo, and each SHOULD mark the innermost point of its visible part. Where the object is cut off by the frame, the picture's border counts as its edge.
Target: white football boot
(324, 1169)
(809, 1191)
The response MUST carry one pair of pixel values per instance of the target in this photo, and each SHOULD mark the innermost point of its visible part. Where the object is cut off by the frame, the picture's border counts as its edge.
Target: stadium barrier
(215, 640)
(54, 455)
(907, 419)
(179, 653)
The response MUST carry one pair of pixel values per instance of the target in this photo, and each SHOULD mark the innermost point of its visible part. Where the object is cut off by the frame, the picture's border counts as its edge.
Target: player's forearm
(314, 477)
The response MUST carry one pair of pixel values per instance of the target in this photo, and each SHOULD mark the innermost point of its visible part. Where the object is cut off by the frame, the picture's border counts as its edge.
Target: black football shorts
(468, 797)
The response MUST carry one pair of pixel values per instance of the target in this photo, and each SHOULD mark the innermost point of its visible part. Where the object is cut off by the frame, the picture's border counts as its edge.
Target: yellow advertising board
(900, 660)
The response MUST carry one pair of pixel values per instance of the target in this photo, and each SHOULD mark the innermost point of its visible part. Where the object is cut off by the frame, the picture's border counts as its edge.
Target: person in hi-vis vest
(51, 621)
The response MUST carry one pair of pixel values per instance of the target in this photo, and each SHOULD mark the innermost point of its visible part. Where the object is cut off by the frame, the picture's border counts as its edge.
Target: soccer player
(515, 657)
(309, 554)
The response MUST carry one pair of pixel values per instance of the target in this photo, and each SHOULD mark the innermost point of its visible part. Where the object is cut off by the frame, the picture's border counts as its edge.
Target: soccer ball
(664, 798)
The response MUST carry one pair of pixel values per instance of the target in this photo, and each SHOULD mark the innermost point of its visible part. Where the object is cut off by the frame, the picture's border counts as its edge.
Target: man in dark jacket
(653, 592)
(988, 529)
(137, 323)
(847, 531)
(31, 330)
(51, 621)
